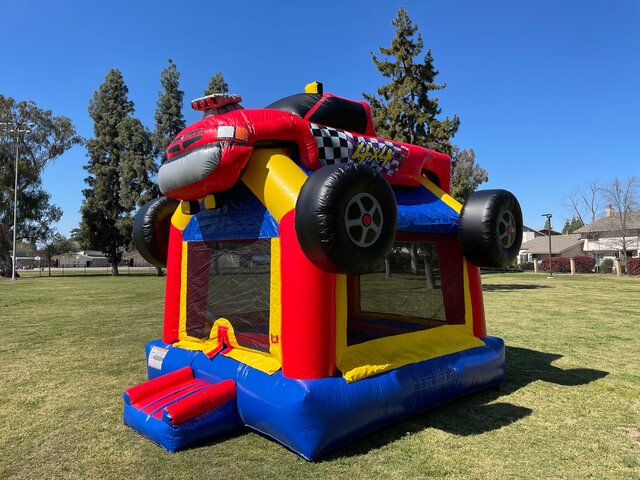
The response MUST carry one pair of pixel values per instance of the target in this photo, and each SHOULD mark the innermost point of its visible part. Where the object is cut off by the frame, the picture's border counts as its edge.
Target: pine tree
(168, 116)
(120, 166)
(217, 85)
(403, 109)
(168, 119)
(137, 185)
(572, 225)
(138, 169)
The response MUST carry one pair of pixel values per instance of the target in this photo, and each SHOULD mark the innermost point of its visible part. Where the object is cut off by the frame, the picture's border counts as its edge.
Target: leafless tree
(623, 197)
(586, 202)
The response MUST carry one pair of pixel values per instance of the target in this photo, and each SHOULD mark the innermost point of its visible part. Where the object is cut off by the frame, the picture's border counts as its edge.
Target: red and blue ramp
(177, 409)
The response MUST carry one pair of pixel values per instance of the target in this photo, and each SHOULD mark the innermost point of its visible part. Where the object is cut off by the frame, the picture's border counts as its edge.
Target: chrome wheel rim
(363, 220)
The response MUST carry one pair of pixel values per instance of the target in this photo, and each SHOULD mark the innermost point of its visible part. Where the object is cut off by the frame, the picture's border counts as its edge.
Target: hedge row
(558, 264)
(586, 264)
(633, 266)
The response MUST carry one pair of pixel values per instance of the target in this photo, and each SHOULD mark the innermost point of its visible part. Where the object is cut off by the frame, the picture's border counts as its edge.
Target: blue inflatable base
(215, 423)
(312, 417)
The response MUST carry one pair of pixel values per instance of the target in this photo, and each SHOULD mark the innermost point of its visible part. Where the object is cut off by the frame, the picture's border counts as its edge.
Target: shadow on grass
(524, 366)
(479, 412)
(511, 286)
(241, 431)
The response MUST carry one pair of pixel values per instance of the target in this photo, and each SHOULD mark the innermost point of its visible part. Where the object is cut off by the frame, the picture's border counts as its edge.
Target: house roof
(529, 229)
(545, 231)
(559, 244)
(540, 231)
(89, 254)
(611, 224)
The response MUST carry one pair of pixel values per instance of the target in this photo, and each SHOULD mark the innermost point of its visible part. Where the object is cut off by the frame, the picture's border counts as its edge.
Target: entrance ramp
(178, 409)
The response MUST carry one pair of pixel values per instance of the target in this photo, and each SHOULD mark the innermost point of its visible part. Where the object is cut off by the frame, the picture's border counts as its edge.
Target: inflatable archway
(321, 281)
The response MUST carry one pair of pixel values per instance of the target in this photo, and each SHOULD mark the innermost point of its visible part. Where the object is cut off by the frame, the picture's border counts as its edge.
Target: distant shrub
(633, 266)
(606, 266)
(525, 266)
(558, 264)
(584, 264)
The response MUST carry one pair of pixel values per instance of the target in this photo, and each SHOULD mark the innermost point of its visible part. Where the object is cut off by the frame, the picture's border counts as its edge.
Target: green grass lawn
(569, 407)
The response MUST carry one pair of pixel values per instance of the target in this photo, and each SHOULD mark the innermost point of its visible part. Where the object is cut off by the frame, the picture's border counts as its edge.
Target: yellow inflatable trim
(441, 194)
(275, 303)
(377, 356)
(275, 180)
(313, 87)
(258, 360)
(253, 358)
(180, 219)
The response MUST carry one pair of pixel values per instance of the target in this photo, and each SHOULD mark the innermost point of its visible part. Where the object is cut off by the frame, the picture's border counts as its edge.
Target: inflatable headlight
(229, 133)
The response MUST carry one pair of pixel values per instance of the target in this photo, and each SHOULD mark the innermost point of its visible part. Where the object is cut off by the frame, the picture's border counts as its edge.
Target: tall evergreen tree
(217, 85)
(403, 109)
(138, 169)
(137, 185)
(168, 116)
(168, 119)
(120, 165)
(49, 137)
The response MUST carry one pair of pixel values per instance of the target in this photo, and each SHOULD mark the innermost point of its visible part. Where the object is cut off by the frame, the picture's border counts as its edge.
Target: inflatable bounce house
(321, 281)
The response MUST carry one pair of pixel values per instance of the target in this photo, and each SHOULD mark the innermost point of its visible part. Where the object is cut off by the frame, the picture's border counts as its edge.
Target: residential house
(570, 245)
(605, 238)
(529, 233)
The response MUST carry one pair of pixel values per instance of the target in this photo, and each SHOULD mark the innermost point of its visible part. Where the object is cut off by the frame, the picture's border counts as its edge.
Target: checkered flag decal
(399, 154)
(334, 146)
(338, 146)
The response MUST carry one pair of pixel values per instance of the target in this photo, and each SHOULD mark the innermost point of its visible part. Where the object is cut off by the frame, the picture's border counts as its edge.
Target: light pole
(548, 215)
(18, 128)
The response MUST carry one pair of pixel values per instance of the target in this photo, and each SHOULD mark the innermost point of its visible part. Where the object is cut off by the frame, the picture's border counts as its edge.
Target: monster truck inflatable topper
(321, 282)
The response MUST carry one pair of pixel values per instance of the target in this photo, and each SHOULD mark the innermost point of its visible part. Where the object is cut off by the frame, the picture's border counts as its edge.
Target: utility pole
(548, 215)
(18, 128)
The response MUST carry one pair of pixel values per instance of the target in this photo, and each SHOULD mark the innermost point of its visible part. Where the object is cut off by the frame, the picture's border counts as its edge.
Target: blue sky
(548, 92)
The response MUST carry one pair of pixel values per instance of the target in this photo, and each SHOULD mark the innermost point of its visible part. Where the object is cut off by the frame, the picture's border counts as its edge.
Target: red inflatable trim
(475, 290)
(147, 389)
(440, 164)
(260, 125)
(308, 311)
(202, 401)
(170, 333)
(409, 173)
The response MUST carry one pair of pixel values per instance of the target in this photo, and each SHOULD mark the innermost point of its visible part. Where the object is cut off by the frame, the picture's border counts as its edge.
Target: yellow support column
(275, 180)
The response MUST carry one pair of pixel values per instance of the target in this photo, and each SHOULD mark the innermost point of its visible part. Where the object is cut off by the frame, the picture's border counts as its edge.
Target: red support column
(308, 311)
(477, 303)
(172, 292)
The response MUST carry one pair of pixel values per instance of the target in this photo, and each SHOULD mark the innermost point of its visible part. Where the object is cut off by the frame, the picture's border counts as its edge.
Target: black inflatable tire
(491, 228)
(346, 218)
(151, 229)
